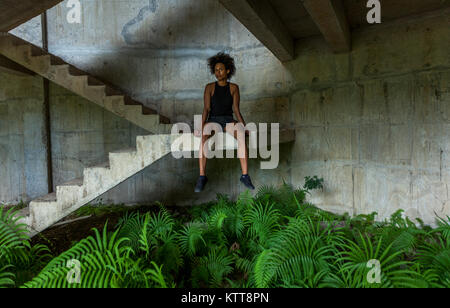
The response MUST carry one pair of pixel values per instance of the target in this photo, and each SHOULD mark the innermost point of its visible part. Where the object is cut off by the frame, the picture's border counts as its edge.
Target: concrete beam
(330, 18)
(9, 66)
(261, 20)
(13, 13)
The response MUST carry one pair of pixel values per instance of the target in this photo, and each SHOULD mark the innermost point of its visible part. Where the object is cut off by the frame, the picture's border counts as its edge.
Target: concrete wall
(374, 123)
(23, 171)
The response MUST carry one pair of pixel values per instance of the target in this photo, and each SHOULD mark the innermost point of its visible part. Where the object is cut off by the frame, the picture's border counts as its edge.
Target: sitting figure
(221, 99)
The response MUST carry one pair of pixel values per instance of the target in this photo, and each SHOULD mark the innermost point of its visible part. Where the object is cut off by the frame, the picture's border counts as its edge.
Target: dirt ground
(60, 238)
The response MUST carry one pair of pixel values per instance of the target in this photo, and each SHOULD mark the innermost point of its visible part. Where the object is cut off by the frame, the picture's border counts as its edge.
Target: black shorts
(222, 120)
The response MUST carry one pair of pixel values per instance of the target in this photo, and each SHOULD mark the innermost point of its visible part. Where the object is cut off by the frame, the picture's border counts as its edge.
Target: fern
(101, 258)
(156, 275)
(394, 272)
(275, 239)
(264, 269)
(443, 228)
(213, 268)
(12, 234)
(297, 254)
(261, 221)
(18, 259)
(435, 255)
(6, 277)
(191, 238)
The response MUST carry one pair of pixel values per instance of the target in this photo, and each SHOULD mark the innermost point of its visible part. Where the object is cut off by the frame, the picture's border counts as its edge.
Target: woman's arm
(236, 104)
(207, 104)
(206, 109)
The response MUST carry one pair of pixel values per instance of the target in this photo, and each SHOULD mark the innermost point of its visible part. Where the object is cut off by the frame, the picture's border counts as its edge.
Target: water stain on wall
(130, 29)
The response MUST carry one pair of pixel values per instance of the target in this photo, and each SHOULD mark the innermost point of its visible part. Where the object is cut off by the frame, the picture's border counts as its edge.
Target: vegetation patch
(274, 239)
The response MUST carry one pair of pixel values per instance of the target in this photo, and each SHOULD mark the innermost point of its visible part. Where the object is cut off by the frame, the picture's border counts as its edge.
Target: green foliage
(18, 258)
(211, 269)
(313, 183)
(274, 239)
(356, 255)
(191, 239)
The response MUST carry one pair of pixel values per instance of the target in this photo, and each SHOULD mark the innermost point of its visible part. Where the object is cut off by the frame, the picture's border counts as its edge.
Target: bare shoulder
(234, 87)
(209, 87)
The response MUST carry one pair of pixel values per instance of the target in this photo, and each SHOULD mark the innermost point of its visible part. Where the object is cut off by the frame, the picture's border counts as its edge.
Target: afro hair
(226, 60)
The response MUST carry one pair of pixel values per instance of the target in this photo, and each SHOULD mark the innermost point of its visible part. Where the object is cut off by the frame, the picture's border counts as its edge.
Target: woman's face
(221, 72)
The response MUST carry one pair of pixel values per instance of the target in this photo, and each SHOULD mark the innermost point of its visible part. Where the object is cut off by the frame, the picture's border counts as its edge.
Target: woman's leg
(203, 152)
(239, 133)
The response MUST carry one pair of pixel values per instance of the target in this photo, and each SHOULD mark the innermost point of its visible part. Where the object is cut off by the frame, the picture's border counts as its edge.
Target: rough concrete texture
(375, 122)
(23, 171)
(30, 31)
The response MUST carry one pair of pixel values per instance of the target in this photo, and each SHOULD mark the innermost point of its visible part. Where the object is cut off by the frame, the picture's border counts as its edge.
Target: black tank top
(221, 101)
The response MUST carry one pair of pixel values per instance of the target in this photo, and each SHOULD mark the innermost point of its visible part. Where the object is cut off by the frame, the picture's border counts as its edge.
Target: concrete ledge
(186, 143)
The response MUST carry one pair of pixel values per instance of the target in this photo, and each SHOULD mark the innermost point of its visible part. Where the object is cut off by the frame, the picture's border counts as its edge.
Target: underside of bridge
(365, 106)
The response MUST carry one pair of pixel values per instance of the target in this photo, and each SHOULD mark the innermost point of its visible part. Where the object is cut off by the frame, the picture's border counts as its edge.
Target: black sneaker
(247, 181)
(201, 182)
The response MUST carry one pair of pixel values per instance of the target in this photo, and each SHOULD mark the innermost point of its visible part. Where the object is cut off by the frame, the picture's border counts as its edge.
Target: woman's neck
(222, 83)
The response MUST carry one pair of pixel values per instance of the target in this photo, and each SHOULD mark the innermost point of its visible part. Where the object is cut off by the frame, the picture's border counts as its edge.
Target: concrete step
(76, 182)
(24, 216)
(23, 51)
(57, 60)
(95, 93)
(42, 58)
(125, 162)
(94, 82)
(61, 71)
(37, 51)
(145, 110)
(95, 177)
(77, 83)
(45, 199)
(153, 147)
(68, 193)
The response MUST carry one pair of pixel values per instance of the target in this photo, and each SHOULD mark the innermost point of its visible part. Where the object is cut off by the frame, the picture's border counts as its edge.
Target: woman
(221, 99)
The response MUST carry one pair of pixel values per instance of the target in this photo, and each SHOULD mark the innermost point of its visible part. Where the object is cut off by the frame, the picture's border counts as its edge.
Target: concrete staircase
(85, 85)
(97, 180)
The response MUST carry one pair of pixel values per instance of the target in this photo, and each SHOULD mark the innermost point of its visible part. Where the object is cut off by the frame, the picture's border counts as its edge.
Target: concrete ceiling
(333, 19)
(15, 12)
